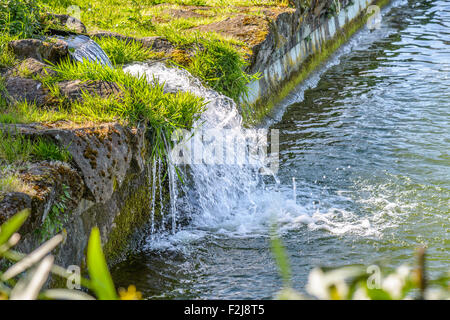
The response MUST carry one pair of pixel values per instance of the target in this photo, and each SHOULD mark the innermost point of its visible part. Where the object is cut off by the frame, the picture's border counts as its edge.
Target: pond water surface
(367, 139)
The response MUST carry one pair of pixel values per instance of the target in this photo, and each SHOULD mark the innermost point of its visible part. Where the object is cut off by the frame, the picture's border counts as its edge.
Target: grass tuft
(47, 150)
(141, 102)
(20, 17)
(10, 182)
(16, 148)
(121, 52)
(7, 58)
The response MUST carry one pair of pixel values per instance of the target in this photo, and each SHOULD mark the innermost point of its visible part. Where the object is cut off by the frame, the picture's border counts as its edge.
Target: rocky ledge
(105, 184)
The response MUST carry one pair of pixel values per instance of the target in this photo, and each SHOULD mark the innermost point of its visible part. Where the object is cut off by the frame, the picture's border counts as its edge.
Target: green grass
(24, 112)
(20, 17)
(47, 150)
(17, 149)
(219, 61)
(7, 58)
(221, 66)
(10, 182)
(14, 148)
(121, 52)
(140, 103)
(136, 17)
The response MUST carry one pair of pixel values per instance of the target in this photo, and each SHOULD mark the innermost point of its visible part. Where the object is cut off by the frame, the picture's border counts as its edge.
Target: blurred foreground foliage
(357, 282)
(26, 275)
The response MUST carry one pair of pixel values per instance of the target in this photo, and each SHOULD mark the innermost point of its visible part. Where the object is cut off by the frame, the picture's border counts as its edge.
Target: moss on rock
(264, 105)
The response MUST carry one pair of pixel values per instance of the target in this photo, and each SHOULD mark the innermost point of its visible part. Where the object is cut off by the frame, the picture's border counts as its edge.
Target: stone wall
(293, 39)
(108, 182)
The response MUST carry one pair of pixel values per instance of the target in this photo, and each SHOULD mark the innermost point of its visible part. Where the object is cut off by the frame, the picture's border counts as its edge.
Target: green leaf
(102, 283)
(378, 294)
(281, 258)
(12, 225)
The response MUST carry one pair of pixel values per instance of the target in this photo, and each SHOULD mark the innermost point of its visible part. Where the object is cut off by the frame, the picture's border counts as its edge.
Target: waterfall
(161, 199)
(221, 194)
(222, 198)
(82, 47)
(153, 193)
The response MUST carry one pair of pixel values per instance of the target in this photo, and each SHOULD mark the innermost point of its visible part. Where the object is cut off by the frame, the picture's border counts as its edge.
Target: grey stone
(159, 44)
(31, 67)
(12, 203)
(42, 50)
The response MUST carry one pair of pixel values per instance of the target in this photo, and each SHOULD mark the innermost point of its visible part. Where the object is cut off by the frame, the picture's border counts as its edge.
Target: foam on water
(233, 200)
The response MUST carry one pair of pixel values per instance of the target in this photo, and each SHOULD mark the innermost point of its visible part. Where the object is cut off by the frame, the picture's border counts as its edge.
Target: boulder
(70, 22)
(103, 154)
(158, 44)
(31, 67)
(48, 181)
(22, 89)
(52, 50)
(12, 203)
(111, 34)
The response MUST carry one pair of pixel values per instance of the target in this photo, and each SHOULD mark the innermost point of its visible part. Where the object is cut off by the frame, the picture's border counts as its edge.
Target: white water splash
(153, 192)
(232, 200)
(161, 199)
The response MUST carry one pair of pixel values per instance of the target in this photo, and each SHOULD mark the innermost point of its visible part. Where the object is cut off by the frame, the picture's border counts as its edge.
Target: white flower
(316, 285)
(393, 284)
(320, 284)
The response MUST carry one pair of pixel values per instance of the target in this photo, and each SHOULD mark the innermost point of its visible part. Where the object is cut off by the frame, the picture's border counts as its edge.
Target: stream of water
(364, 173)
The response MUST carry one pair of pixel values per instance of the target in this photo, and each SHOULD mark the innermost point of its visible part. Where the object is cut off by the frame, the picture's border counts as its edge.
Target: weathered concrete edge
(285, 73)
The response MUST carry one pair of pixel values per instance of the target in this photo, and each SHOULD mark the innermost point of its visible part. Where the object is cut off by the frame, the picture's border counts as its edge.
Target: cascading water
(363, 175)
(218, 196)
(84, 48)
